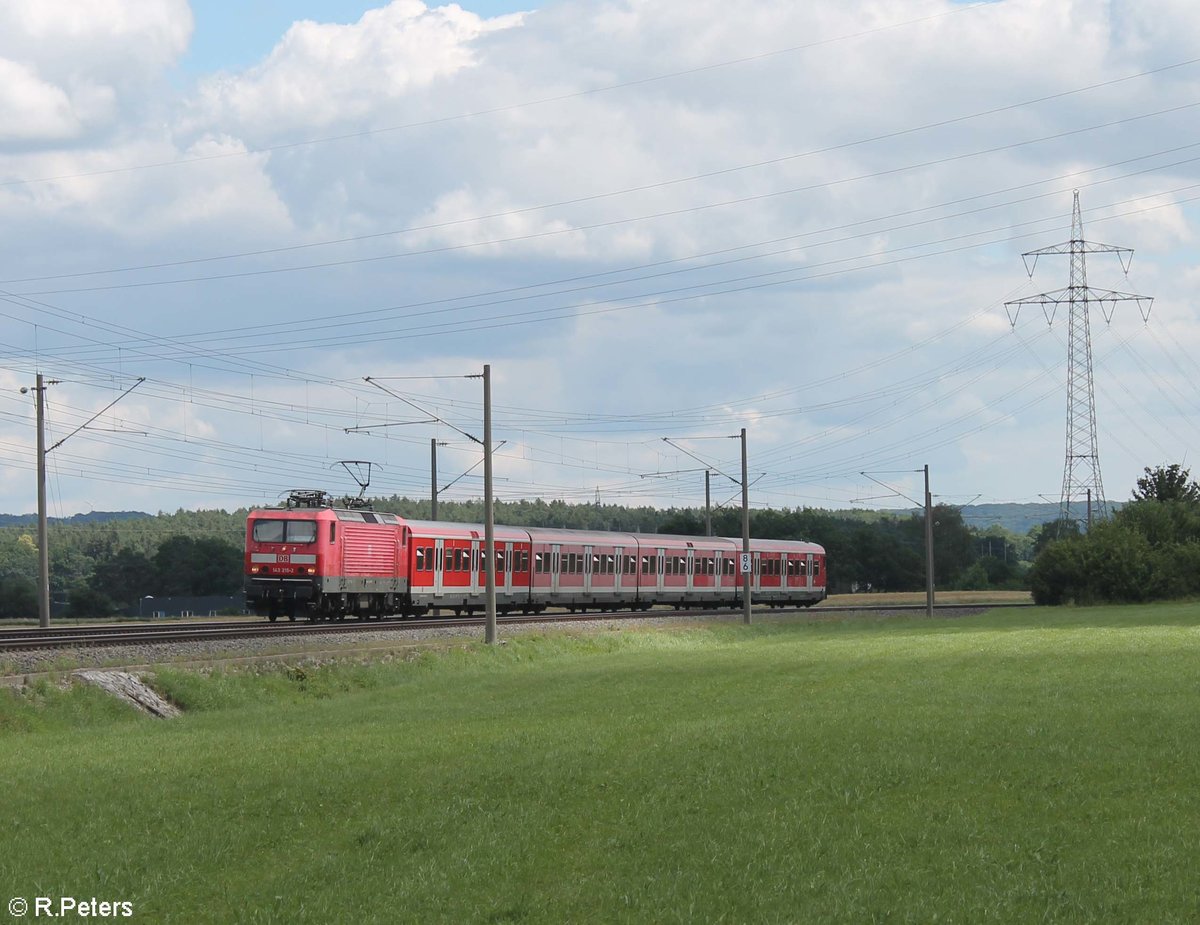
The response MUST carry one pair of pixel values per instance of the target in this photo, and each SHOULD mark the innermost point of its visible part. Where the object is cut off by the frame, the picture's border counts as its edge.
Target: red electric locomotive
(309, 558)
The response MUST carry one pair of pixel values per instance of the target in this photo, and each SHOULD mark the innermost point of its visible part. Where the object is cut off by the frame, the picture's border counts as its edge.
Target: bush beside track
(1022, 765)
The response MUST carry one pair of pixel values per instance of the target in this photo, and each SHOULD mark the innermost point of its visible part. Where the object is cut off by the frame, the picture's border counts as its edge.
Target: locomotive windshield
(285, 531)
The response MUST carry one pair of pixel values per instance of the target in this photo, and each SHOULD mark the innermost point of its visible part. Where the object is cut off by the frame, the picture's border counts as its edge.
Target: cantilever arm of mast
(140, 380)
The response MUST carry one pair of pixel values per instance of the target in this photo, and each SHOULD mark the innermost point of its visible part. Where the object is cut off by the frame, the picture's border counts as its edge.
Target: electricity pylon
(1083, 488)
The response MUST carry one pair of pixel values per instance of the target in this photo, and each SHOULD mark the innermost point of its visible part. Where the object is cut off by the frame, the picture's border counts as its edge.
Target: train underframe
(305, 599)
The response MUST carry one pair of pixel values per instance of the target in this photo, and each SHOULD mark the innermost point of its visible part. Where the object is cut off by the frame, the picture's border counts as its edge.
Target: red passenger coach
(583, 570)
(787, 572)
(448, 568)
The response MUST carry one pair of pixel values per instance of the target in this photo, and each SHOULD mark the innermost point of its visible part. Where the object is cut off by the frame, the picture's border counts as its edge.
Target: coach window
(333, 531)
(597, 569)
(816, 567)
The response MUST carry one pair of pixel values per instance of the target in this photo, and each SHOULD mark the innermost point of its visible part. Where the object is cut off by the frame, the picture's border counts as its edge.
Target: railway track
(144, 633)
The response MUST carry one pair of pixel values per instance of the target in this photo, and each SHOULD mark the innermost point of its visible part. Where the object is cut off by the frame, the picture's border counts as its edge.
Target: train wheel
(272, 616)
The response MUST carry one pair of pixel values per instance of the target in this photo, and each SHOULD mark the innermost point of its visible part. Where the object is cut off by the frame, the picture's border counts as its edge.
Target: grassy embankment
(1020, 766)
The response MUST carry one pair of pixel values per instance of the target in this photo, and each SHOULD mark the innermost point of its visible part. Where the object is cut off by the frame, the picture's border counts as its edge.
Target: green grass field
(1013, 767)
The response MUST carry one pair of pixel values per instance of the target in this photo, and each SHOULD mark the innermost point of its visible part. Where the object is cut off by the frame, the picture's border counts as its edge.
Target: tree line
(1149, 550)
(99, 568)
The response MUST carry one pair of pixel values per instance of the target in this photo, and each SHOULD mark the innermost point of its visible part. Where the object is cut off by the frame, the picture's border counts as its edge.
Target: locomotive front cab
(283, 561)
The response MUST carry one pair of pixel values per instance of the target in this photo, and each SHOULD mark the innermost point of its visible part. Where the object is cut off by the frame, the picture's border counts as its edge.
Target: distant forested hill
(91, 517)
(1016, 518)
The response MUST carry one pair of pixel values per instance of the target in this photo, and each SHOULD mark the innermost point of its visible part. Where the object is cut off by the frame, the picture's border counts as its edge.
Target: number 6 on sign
(745, 563)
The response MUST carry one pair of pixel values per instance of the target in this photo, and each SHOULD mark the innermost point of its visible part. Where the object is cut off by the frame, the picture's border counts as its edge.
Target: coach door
(756, 574)
(691, 569)
(587, 569)
(438, 551)
(506, 572)
(555, 557)
(808, 570)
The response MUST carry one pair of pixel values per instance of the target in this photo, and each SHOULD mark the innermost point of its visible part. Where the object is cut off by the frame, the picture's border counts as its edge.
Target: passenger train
(309, 558)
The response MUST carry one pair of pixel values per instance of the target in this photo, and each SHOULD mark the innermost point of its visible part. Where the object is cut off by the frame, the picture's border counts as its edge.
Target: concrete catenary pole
(489, 522)
(707, 503)
(42, 538)
(433, 479)
(747, 576)
(928, 547)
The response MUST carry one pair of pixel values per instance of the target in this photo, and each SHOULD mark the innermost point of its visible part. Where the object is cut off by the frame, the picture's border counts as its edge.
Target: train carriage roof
(799, 547)
(671, 541)
(441, 529)
(581, 537)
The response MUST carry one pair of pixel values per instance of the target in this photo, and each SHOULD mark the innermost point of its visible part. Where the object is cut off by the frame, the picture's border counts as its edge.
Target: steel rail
(141, 634)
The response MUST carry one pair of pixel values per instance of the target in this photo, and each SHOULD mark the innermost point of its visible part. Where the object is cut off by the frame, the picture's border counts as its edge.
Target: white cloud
(323, 74)
(65, 66)
(849, 308)
(31, 108)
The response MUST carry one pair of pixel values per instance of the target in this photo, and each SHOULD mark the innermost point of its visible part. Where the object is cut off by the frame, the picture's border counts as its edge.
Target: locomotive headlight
(311, 570)
(254, 569)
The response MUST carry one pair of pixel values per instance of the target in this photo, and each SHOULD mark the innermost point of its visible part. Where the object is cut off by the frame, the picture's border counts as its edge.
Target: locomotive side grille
(368, 550)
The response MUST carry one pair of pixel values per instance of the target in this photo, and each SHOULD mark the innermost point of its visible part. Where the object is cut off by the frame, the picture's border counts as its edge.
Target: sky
(232, 35)
(283, 235)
